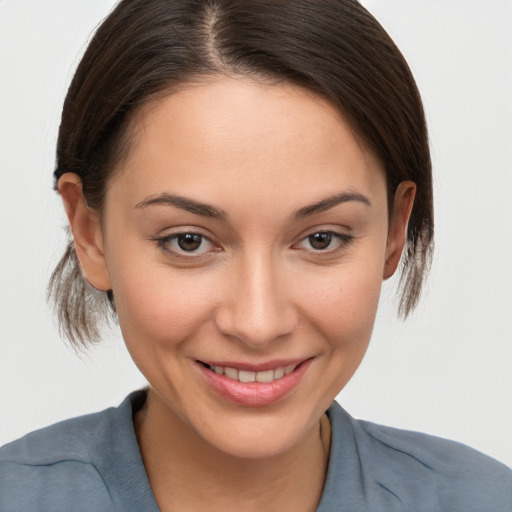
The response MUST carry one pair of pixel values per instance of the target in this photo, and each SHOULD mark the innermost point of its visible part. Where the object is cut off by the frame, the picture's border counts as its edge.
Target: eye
(185, 244)
(320, 241)
(189, 242)
(325, 241)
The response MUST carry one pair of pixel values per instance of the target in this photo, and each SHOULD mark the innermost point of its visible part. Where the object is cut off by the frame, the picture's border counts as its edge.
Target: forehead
(247, 137)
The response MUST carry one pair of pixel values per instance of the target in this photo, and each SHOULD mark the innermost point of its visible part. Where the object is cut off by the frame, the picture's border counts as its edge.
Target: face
(245, 238)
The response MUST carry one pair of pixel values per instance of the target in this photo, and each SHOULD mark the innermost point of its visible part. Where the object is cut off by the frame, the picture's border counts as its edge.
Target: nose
(256, 307)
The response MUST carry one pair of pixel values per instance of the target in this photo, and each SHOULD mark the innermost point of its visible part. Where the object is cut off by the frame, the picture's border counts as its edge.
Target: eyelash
(342, 241)
(164, 242)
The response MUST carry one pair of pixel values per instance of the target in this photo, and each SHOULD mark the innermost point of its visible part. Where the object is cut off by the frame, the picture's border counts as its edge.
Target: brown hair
(149, 47)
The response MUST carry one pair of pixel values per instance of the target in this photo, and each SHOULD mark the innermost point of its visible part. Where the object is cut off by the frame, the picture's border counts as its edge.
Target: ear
(87, 233)
(397, 233)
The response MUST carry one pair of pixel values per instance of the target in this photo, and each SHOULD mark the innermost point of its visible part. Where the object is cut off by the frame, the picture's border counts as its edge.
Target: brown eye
(325, 243)
(186, 244)
(320, 241)
(189, 241)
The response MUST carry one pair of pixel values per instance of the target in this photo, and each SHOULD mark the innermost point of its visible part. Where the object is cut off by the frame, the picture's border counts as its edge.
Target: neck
(187, 473)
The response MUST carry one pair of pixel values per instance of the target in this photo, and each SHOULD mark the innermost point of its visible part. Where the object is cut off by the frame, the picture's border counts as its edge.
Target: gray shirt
(93, 463)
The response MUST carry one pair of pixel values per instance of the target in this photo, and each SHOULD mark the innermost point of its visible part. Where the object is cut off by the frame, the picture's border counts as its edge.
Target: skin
(255, 290)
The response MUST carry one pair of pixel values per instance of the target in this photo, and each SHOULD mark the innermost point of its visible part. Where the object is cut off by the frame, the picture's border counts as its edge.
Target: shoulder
(54, 466)
(420, 467)
(72, 439)
(65, 465)
(443, 455)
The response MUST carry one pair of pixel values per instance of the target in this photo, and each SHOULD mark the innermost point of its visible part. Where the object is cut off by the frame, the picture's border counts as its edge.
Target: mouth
(246, 376)
(254, 385)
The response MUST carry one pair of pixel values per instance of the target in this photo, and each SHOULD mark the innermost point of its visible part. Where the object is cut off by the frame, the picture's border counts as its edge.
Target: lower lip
(254, 394)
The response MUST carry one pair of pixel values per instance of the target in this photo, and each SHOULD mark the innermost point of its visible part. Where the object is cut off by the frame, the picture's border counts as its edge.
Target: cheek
(161, 306)
(343, 306)
(344, 317)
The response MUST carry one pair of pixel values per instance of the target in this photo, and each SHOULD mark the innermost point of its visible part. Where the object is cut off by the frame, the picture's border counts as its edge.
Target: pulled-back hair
(145, 48)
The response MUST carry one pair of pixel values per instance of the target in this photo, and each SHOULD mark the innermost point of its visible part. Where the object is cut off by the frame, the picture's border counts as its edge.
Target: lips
(254, 385)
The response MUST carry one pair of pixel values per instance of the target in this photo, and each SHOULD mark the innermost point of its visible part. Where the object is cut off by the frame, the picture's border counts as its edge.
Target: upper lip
(256, 367)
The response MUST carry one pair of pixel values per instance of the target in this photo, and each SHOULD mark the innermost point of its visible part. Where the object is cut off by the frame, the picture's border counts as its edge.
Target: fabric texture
(93, 463)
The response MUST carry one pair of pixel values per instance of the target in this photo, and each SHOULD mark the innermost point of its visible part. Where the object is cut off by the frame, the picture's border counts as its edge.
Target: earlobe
(399, 221)
(87, 232)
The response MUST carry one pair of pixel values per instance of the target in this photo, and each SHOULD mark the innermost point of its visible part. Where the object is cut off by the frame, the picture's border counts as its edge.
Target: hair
(146, 48)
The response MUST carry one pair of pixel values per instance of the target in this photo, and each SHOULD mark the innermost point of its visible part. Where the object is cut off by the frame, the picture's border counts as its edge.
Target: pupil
(320, 240)
(189, 241)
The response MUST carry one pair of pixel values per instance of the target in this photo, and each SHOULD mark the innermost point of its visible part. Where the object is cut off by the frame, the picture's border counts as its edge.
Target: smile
(248, 376)
(253, 385)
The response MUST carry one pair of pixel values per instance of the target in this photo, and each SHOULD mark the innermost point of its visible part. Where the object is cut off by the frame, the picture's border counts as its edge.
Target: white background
(447, 370)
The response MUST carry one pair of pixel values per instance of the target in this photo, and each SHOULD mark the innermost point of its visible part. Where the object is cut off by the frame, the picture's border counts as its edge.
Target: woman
(239, 178)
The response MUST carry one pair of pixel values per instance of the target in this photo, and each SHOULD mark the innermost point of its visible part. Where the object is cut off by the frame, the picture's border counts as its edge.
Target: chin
(257, 441)
(264, 433)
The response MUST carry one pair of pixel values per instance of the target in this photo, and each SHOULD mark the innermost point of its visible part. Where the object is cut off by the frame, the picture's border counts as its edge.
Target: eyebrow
(206, 210)
(330, 202)
(184, 203)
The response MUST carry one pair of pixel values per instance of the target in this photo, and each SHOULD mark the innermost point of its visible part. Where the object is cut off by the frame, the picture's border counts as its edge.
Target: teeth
(267, 376)
(246, 376)
(278, 373)
(289, 369)
(231, 373)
